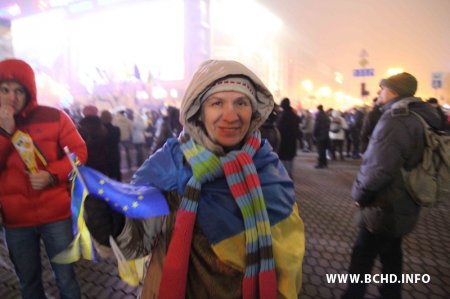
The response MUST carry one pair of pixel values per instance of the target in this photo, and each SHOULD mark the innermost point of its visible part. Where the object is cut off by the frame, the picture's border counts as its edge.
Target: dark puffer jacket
(397, 141)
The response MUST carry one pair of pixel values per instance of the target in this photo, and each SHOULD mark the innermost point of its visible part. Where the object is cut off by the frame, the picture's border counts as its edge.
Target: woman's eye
(243, 103)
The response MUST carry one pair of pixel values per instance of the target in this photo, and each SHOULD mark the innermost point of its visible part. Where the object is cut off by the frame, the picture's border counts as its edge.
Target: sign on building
(363, 72)
(436, 80)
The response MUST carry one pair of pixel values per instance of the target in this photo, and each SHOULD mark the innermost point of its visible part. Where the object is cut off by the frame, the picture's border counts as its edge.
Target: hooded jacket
(339, 135)
(397, 142)
(51, 130)
(217, 258)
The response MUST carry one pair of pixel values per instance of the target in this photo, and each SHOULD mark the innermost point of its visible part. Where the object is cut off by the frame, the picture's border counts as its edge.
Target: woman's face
(227, 116)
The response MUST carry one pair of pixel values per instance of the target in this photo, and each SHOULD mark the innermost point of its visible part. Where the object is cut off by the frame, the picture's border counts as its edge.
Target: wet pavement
(327, 210)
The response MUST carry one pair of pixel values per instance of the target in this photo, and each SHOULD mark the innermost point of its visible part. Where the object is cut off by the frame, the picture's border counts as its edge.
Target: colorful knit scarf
(243, 181)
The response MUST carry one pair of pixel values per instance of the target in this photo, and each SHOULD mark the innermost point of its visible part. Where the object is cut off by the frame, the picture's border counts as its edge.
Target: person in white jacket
(138, 137)
(337, 134)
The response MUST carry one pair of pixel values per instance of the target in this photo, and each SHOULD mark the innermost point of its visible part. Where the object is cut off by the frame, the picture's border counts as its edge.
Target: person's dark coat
(321, 126)
(288, 125)
(270, 131)
(94, 134)
(396, 142)
(369, 123)
(113, 155)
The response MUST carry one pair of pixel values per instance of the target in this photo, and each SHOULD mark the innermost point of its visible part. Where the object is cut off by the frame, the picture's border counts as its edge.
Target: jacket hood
(424, 109)
(208, 73)
(19, 71)
(335, 113)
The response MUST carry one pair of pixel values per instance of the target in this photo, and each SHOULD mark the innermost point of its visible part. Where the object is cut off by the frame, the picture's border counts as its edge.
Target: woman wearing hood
(234, 229)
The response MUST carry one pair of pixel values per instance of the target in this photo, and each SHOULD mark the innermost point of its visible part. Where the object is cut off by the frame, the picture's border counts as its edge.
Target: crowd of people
(332, 133)
(224, 163)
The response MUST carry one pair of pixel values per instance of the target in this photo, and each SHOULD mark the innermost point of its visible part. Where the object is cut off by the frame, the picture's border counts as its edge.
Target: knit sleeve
(140, 236)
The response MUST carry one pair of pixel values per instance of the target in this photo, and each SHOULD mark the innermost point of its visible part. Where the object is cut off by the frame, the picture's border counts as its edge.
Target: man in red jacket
(35, 205)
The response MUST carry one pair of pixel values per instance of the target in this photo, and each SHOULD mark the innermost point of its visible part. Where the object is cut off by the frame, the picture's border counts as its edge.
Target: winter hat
(237, 84)
(404, 84)
(90, 110)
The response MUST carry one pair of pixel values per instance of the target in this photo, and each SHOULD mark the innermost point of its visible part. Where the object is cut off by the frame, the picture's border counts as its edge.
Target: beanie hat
(90, 110)
(404, 84)
(237, 84)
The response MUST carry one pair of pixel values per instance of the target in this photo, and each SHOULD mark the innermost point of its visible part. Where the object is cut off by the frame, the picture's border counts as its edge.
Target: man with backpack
(387, 211)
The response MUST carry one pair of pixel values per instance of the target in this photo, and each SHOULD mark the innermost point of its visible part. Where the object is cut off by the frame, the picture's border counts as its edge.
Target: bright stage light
(307, 85)
(324, 91)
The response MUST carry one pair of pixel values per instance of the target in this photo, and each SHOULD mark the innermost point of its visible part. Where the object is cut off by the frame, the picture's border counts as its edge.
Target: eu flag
(131, 200)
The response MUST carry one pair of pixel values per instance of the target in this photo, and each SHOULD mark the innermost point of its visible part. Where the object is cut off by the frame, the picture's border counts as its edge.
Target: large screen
(137, 40)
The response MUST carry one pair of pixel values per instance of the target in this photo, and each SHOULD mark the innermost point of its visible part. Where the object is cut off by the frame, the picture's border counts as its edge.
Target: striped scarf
(243, 181)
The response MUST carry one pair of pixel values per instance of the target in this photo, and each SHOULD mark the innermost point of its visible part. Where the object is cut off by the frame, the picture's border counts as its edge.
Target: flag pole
(75, 167)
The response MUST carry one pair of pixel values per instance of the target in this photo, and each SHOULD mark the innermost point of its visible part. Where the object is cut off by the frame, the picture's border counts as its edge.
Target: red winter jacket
(51, 130)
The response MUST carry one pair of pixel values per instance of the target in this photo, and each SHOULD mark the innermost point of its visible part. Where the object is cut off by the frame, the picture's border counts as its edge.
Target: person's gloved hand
(101, 220)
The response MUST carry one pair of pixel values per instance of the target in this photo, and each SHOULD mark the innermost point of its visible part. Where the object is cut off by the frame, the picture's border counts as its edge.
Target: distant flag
(137, 74)
(150, 78)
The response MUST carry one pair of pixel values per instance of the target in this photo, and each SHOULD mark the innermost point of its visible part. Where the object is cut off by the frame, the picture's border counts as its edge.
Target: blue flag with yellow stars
(131, 200)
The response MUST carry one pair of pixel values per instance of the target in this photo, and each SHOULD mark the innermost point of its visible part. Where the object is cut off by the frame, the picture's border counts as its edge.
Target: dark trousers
(367, 247)
(337, 145)
(322, 146)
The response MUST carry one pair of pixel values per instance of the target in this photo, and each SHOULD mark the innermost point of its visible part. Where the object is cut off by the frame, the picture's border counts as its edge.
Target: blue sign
(436, 80)
(436, 84)
(363, 73)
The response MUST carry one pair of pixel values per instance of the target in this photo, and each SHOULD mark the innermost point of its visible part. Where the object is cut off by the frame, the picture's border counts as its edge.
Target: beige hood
(207, 74)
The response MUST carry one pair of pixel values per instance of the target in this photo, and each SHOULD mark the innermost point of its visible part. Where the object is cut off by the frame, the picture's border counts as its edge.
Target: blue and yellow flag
(132, 201)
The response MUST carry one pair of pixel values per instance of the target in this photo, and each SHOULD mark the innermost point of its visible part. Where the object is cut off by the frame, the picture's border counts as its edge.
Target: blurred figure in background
(337, 134)
(321, 136)
(125, 125)
(370, 121)
(356, 118)
(270, 131)
(288, 125)
(112, 142)
(169, 127)
(94, 134)
(150, 131)
(138, 137)
(307, 126)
